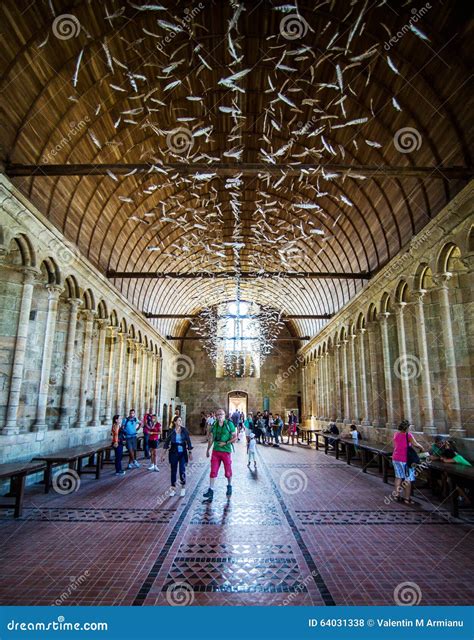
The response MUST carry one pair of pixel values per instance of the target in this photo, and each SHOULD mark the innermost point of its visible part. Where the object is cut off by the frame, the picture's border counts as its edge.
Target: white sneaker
(172, 491)
(156, 468)
(183, 492)
(131, 466)
(137, 464)
(152, 468)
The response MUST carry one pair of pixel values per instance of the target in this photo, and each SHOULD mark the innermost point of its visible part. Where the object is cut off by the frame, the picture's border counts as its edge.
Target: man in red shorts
(222, 435)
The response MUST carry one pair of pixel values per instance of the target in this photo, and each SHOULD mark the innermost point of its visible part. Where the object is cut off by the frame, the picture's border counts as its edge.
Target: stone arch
(71, 287)
(385, 303)
(26, 250)
(114, 319)
(123, 325)
(402, 292)
(89, 300)
(51, 270)
(447, 257)
(470, 240)
(102, 312)
(423, 280)
(360, 322)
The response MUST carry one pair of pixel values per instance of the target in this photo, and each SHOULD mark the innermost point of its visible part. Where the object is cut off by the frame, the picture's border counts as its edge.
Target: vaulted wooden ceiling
(257, 137)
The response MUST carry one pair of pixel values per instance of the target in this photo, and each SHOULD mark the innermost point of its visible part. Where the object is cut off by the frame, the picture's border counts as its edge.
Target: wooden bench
(369, 450)
(17, 472)
(74, 457)
(452, 475)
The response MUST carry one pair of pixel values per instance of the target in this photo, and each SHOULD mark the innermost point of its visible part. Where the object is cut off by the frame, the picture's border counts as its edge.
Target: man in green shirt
(222, 436)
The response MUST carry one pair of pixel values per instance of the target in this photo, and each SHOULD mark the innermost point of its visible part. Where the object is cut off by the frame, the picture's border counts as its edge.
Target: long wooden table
(17, 472)
(452, 475)
(74, 456)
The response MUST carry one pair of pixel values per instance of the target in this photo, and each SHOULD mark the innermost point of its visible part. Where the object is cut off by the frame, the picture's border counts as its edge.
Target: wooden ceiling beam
(193, 316)
(244, 275)
(278, 339)
(231, 168)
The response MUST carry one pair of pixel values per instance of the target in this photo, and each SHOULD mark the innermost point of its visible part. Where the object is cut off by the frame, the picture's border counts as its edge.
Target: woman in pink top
(404, 475)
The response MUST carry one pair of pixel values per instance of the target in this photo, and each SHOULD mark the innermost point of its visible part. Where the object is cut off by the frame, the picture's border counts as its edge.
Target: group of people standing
(268, 428)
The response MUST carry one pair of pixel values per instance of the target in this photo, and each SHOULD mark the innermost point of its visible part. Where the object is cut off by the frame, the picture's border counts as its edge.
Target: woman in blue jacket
(179, 444)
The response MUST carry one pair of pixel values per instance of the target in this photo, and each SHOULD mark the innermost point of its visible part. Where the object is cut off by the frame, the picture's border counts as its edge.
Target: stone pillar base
(457, 432)
(10, 431)
(39, 426)
(430, 430)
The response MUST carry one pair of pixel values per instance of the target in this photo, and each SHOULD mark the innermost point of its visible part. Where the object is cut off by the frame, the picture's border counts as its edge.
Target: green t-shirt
(223, 434)
(458, 459)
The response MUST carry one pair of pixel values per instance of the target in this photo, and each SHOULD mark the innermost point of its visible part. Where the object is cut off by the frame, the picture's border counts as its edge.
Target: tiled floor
(304, 529)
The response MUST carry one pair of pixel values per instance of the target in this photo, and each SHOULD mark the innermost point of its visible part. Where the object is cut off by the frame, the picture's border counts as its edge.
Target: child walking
(251, 449)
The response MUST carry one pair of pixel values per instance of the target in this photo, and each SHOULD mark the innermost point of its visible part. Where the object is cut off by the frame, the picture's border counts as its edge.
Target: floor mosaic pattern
(304, 529)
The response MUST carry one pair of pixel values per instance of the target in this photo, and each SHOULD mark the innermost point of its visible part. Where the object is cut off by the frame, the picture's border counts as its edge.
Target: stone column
(454, 406)
(387, 369)
(11, 423)
(129, 399)
(326, 385)
(331, 385)
(303, 399)
(374, 375)
(157, 384)
(345, 383)
(405, 367)
(99, 373)
(366, 414)
(355, 395)
(150, 377)
(136, 384)
(120, 392)
(42, 403)
(112, 377)
(65, 408)
(426, 397)
(86, 359)
(337, 382)
(143, 384)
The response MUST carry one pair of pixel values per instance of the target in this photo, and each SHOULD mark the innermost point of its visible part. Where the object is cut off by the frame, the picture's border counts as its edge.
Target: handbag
(412, 456)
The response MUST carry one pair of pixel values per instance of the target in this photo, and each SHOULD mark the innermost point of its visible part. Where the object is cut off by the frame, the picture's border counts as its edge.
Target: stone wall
(278, 382)
(73, 351)
(403, 347)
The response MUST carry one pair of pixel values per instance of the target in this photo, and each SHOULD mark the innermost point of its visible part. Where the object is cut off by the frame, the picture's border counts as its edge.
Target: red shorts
(216, 458)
